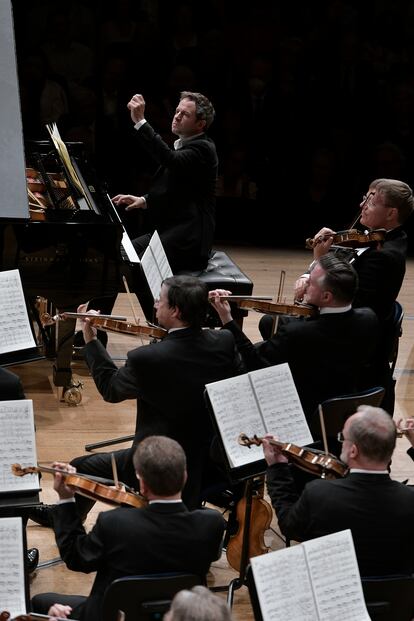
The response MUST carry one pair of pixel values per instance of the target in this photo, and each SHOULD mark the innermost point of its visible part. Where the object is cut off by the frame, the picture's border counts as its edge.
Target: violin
(88, 486)
(324, 465)
(110, 324)
(279, 308)
(351, 238)
(259, 516)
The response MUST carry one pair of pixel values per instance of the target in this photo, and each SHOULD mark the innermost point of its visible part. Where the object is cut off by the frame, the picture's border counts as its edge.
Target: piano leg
(62, 371)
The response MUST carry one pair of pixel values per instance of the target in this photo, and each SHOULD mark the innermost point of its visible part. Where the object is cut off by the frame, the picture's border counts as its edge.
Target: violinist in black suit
(181, 199)
(168, 380)
(161, 537)
(387, 205)
(324, 351)
(378, 510)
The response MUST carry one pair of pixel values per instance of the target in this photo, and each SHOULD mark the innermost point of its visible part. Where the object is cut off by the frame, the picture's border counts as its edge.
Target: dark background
(314, 98)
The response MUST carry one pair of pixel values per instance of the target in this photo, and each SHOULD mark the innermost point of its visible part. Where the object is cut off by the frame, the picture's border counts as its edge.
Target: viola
(352, 238)
(88, 486)
(324, 465)
(259, 517)
(110, 324)
(278, 308)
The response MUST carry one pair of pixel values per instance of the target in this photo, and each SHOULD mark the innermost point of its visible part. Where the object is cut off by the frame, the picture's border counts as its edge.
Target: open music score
(12, 575)
(15, 331)
(317, 580)
(18, 445)
(263, 401)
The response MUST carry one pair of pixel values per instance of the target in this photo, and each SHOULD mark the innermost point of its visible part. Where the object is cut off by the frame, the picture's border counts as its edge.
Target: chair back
(338, 409)
(394, 335)
(389, 598)
(145, 598)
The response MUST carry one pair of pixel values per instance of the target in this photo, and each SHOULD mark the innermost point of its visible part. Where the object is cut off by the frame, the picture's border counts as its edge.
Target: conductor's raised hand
(130, 201)
(136, 106)
(217, 299)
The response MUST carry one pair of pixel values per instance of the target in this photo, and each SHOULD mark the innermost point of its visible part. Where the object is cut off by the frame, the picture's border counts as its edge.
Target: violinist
(329, 354)
(161, 537)
(378, 510)
(168, 380)
(387, 205)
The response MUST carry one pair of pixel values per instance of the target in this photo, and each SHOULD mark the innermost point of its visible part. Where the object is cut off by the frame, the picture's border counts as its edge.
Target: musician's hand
(130, 201)
(59, 485)
(137, 108)
(222, 306)
(408, 426)
(300, 288)
(59, 611)
(323, 242)
(272, 454)
(89, 332)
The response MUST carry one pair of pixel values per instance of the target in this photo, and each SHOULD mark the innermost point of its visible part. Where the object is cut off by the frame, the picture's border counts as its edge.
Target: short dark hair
(204, 107)
(374, 433)
(161, 462)
(340, 278)
(396, 194)
(190, 295)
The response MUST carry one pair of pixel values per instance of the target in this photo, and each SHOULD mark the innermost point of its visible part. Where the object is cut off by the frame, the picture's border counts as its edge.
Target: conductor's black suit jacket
(181, 199)
(127, 541)
(329, 355)
(379, 512)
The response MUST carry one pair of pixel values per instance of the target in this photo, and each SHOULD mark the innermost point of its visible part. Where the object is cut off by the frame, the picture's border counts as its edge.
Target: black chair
(389, 598)
(394, 335)
(338, 409)
(145, 598)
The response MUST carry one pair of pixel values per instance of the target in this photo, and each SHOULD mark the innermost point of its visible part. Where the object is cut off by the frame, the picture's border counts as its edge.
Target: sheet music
(335, 577)
(280, 404)
(15, 332)
(18, 445)
(259, 402)
(283, 586)
(236, 412)
(12, 580)
(314, 581)
(155, 265)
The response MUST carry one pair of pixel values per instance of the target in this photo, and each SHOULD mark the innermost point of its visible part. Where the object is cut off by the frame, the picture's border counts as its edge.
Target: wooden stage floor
(62, 431)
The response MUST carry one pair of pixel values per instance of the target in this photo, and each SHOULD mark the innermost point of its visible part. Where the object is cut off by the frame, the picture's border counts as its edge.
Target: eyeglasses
(367, 197)
(340, 437)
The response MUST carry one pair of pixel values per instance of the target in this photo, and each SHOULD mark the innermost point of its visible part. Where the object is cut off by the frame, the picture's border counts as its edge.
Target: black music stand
(237, 475)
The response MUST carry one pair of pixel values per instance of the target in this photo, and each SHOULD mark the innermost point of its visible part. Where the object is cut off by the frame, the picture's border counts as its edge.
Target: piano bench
(222, 273)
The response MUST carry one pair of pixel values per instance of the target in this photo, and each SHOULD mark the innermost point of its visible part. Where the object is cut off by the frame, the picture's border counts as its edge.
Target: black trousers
(42, 602)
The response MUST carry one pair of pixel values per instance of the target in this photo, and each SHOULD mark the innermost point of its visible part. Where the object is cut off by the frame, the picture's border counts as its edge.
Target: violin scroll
(244, 440)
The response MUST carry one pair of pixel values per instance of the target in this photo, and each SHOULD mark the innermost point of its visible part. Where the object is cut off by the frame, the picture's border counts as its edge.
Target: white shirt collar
(362, 471)
(182, 141)
(330, 310)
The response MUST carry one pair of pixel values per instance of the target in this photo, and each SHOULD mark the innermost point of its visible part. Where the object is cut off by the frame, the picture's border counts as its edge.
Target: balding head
(372, 431)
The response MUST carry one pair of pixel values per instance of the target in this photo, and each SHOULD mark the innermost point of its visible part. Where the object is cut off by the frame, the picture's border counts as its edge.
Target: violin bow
(323, 429)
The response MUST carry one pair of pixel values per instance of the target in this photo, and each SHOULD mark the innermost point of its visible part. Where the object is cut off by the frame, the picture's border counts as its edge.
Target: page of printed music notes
(155, 265)
(18, 445)
(280, 405)
(12, 580)
(15, 332)
(235, 409)
(314, 581)
(335, 577)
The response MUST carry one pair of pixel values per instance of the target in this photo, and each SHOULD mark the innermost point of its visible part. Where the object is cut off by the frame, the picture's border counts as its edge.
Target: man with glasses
(381, 268)
(378, 510)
